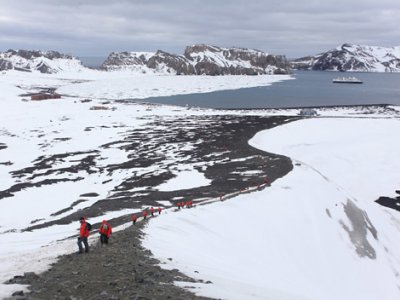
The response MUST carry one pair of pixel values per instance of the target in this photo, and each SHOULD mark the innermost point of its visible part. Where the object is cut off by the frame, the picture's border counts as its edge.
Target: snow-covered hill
(42, 61)
(200, 60)
(355, 58)
(314, 234)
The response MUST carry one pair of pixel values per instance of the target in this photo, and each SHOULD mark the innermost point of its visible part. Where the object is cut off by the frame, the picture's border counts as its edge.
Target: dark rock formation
(5, 65)
(118, 59)
(211, 60)
(352, 58)
(200, 60)
(173, 63)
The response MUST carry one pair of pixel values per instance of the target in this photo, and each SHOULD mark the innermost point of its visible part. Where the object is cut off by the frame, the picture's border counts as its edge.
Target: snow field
(145, 86)
(289, 241)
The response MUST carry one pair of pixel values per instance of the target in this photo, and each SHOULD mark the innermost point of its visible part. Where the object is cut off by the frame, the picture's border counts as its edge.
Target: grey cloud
(292, 27)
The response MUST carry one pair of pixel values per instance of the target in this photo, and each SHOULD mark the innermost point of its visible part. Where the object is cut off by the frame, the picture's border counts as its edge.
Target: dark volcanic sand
(218, 143)
(124, 270)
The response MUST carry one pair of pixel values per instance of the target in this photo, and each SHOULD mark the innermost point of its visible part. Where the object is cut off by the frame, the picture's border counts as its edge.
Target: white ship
(346, 80)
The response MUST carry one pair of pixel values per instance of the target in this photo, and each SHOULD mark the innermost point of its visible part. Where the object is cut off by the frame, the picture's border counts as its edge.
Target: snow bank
(315, 234)
(144, 86)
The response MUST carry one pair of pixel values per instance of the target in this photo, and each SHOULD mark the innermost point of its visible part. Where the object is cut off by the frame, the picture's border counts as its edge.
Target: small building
(45, 96)
(308, 112)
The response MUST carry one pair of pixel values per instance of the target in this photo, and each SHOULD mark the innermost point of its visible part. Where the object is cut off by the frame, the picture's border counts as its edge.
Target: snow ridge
(353, 58)
(43, 61)
(200, 60)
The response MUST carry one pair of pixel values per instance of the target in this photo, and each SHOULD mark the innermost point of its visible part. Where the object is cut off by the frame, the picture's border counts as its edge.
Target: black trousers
(103, 239)
(85, 243)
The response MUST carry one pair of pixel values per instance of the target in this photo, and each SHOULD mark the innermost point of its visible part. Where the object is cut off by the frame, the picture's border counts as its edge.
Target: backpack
(88, 226)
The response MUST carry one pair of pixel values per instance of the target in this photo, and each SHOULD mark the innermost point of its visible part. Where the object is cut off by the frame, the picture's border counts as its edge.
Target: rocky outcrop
(200, 60)
(211, 60)
(126, 60)
(197, 60)
(171, 63)
(354, 58)
(42, 61)
(5, 65)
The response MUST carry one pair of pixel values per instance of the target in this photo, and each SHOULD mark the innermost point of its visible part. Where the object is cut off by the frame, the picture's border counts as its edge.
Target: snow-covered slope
(314, 234)
(354, 58)
(42, 61)
(200, 60)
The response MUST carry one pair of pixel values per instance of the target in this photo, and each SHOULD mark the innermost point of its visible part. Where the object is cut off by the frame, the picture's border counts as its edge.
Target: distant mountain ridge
(200, 60)
(42, 61)
(356, 58)
(211, 60)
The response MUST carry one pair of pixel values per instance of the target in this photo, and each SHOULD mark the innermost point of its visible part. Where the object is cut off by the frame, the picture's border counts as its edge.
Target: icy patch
(164, 203)
(185, 179)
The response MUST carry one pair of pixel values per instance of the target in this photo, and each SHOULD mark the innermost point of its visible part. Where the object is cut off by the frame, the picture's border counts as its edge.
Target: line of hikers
(105, 229)
(182, 204)
(152, 210)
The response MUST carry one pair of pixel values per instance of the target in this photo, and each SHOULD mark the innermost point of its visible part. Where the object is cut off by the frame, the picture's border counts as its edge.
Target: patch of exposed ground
(216, 145)
(121, 270)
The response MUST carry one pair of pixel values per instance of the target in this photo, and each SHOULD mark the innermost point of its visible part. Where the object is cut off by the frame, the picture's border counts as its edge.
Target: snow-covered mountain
(200, 60)
(356, 58)
(42, 61)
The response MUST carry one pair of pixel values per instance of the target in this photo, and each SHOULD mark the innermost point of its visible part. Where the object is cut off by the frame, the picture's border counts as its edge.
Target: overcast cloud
(292, 27)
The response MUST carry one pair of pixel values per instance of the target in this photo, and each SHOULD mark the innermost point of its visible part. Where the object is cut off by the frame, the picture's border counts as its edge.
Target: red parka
(105, 228)
(84, 231)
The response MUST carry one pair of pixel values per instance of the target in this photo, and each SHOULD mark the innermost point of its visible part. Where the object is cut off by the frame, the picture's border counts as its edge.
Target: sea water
(308, 89)
(92, 61)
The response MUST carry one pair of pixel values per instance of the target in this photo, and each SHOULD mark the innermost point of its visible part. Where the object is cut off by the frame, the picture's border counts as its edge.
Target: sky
(290, 27)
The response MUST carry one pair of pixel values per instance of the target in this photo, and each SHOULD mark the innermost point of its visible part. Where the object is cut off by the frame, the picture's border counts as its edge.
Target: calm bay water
(92, 61)
(309, 88)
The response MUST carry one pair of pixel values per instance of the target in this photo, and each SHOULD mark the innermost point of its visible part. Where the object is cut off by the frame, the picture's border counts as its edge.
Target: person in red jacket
(105, 232)
(134, 218)
(159, 210)
(152, 211)
(83, 235)
(144, 214)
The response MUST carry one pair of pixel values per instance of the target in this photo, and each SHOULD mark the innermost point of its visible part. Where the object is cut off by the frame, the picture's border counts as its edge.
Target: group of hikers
(182, 204)
(105, 229)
